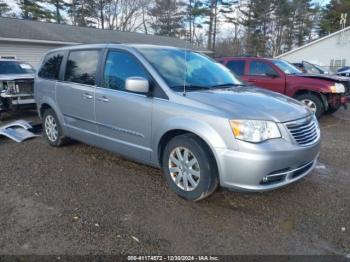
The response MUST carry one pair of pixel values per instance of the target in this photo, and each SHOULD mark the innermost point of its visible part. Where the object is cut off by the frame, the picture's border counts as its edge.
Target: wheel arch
(49, 103)
(43, 108)
(320, 95)
(170, 134)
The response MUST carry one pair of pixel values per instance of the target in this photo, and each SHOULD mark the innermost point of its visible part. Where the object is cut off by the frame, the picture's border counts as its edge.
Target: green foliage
(4, 8)
(168, 16)
(256, 18)
(59, 6)
(330, 21)
(82, 12)
(260, 27)
(34, 9)
(275, 26)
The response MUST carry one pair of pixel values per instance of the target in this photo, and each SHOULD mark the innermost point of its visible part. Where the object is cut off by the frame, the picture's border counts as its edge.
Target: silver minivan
(177, 110)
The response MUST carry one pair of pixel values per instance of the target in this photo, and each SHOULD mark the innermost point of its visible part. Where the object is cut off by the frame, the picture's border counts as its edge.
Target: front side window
(236, 67)
(181, 68)
(119, 66)
(81, 67)
(51, 66)
(15, 67)
(258, 68)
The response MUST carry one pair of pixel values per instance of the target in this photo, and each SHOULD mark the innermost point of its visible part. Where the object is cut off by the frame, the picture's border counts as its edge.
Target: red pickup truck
(322, 93)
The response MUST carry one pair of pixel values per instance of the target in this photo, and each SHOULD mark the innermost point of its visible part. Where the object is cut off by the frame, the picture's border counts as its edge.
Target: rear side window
(50, 68)
(119, 66)
(81, 67)
(258, 68)
(236, 67)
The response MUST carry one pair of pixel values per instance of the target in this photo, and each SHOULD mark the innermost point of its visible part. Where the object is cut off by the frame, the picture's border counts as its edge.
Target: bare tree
(125, 15)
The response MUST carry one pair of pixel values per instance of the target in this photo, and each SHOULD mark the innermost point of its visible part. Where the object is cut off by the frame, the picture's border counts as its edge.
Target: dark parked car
(16, 85)
(309, 68)
(321, 93)
(344, 71)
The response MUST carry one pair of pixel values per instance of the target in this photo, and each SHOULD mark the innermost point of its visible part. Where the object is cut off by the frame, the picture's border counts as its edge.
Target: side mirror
(272, 74)
(137, 85)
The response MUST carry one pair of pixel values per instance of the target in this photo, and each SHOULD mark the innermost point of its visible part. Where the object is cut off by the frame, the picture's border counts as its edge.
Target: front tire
(189, 167)
(313, 102)
(52, 129)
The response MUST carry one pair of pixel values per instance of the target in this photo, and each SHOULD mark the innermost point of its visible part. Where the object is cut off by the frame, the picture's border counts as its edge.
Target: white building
(330, 52)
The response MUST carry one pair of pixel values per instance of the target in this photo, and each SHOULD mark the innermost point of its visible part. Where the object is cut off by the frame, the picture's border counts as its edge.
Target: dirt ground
(82, 200)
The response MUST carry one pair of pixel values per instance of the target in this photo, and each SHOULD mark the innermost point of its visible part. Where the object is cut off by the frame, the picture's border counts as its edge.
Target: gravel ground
(82, 200)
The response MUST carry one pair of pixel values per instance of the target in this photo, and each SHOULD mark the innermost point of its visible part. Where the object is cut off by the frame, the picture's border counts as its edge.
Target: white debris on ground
(17, 131)
(136, 239)
(322, 169)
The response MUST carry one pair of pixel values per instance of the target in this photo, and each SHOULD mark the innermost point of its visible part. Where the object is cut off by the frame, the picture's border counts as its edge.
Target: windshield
(199, 71)
(15, 67)
(286, 67)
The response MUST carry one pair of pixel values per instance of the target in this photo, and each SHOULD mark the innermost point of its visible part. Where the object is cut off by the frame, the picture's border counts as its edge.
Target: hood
(252, 103)
(334, 78)
(11, 77)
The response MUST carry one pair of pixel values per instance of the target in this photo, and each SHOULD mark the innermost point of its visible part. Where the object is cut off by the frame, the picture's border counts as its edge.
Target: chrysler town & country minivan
(177, 110)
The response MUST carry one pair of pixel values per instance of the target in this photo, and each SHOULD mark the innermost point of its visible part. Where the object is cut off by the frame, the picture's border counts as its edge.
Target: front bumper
(18, 99)
(337, 100)
(267, 166)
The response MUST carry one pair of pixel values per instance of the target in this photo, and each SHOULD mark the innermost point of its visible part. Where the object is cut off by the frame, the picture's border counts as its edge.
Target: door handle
(103, 99)
(87, 96)
(252, 81)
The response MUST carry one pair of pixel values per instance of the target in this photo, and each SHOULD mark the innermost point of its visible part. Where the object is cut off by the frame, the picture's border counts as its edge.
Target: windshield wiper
(228, 85)
(189, 87)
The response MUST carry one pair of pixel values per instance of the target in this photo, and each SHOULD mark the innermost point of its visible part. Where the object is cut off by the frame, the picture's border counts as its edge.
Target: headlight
(11, 87)
(338, 88)
(254, 131)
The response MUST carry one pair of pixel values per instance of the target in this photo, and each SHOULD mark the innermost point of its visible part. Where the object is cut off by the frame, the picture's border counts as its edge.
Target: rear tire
(52, 129)
(189, 167)
(313, 102)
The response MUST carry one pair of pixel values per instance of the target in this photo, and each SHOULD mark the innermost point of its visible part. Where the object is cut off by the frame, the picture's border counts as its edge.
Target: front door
(75, 95)
(263, 75)
(123, 118)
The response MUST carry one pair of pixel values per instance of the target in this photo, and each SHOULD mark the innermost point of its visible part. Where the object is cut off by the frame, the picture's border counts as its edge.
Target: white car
(16, 84)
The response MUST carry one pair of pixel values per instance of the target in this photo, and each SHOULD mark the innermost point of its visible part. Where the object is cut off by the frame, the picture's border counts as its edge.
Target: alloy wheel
(310, 104)
(51, 128)
(184, 168)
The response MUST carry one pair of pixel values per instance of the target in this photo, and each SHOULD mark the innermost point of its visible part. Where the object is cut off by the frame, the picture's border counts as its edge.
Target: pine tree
(4, 8)
(82, 12)
(257, 19)
(60, 6)
(34, 9)
(168, 17)
(330, 21)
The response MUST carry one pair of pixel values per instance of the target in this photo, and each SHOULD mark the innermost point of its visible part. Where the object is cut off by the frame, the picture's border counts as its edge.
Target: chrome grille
(304, 132)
